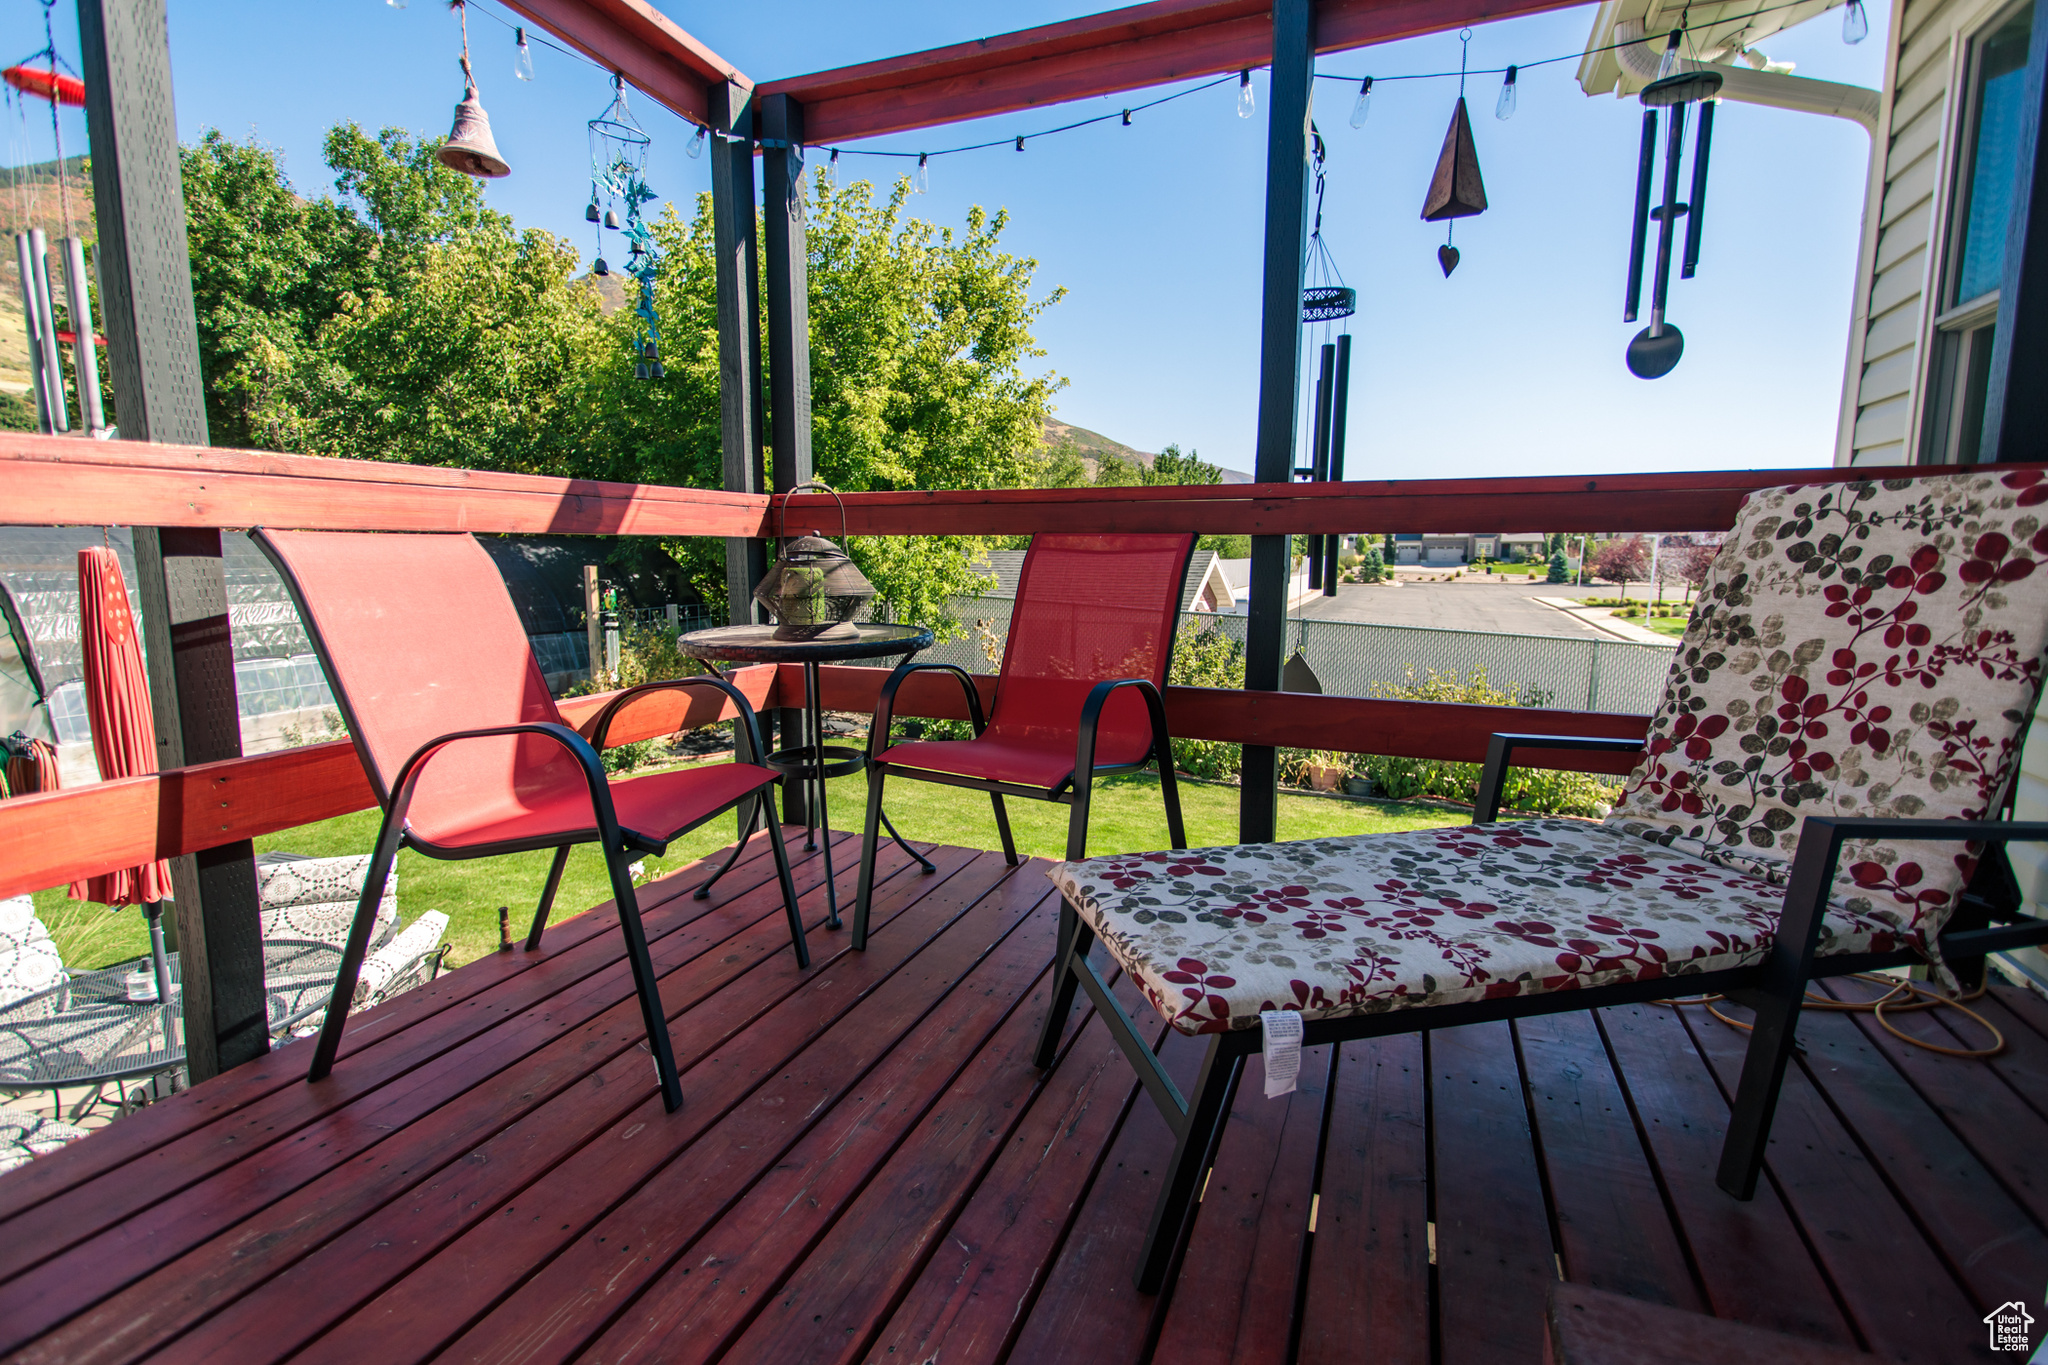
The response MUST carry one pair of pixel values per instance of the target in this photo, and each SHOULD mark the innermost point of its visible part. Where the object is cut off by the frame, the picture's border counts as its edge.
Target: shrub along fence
(1356, 659)
(1393, 662)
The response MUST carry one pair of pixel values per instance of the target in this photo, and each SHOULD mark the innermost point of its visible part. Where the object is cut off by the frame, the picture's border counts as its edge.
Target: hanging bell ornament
(590, 214)
(611, 219)
(654, 370)
(469, 147)
(1456, 190)
(600, 268)
(814, 590)
(640, 370)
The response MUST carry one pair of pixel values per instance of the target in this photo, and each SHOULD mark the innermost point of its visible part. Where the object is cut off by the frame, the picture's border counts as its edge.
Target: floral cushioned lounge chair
(1839, 732)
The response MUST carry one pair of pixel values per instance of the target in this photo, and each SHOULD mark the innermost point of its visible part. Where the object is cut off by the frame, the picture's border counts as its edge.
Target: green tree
(1169, 466)
(1060, 466)
(402, 319)
(1560, 571)
(1114, 470)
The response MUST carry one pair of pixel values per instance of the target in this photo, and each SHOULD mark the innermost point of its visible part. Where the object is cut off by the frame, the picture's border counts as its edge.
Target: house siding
(1917, 147)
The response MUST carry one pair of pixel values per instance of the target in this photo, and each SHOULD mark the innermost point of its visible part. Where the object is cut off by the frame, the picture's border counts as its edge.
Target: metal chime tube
(1319, 458)
(85, 355)
(1646, 162)
(53, 367)
(1696, 206)
(1340, 404)
(29, 315)
(1674, 147)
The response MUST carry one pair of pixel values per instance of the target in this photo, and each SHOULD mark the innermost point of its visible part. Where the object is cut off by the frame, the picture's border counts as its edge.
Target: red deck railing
(59, 481)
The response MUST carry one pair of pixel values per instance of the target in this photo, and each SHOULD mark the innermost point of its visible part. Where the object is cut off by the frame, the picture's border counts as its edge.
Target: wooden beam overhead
(1102, 54)
(638, 41)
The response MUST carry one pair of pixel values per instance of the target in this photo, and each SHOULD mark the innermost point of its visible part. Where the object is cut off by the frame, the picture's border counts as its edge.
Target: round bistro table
(812, 761)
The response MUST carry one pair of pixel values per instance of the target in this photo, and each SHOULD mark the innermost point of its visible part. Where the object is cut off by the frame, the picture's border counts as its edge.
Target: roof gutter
(1775, 89)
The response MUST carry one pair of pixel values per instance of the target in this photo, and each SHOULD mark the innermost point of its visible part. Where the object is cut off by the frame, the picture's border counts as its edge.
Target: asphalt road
(1459, 605)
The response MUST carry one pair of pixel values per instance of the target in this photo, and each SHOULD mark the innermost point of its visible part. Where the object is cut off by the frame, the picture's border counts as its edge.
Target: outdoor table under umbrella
(123, 734)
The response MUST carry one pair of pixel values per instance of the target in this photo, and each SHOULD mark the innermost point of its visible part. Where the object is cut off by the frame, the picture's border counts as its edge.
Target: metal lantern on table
(814, 590)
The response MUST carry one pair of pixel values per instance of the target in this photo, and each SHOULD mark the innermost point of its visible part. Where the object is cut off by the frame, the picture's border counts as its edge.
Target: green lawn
(1674, 626)
(1126, 817)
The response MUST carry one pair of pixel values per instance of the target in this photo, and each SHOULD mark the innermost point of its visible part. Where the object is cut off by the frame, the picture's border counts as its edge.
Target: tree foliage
(1623, 561)
(1692, 563)
(402, 319)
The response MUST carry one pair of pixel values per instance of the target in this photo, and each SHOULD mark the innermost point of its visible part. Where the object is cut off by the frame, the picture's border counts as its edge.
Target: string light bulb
(1362, 108)
(695, 147)
(921, 182)
(1855, 23)
(1127, 118)
(1504, 107)
(1020, 144)
(1246, 101)
(522, 61)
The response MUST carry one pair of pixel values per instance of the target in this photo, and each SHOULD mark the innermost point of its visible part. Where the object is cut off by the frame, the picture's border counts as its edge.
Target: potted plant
(1324, 771)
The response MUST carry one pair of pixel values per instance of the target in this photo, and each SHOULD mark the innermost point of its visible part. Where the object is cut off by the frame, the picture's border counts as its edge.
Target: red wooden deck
(867, 1167)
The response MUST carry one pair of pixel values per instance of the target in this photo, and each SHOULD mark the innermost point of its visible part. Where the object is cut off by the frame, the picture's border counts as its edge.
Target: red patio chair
(1091, 634)
(465, 749)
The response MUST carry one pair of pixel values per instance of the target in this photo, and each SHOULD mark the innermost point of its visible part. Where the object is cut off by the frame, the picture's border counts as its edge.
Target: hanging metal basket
(1328, 302)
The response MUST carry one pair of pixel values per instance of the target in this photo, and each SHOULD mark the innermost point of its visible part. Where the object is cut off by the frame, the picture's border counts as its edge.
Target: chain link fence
(1356, 659)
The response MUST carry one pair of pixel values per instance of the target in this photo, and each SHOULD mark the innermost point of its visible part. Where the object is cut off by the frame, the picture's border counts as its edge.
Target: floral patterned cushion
(25, 1136)
(1370, 923)
(315, 898)
(28, 959)
(1866, 649)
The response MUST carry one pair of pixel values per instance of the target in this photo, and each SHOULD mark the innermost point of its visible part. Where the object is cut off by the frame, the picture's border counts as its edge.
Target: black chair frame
(1075, 790)
(619, 844)
(1774, 988)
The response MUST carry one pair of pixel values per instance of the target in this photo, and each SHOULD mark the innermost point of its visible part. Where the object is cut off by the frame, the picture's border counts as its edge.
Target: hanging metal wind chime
(1656, 350)
(470, 147)
(618, 181)
(1325, 300)
(1456, 189)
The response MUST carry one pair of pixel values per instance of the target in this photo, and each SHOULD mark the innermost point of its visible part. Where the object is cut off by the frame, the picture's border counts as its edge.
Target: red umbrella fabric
(117, 702)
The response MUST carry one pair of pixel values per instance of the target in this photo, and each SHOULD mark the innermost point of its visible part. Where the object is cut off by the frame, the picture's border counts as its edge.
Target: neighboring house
(1933, 249)
(1466, 547)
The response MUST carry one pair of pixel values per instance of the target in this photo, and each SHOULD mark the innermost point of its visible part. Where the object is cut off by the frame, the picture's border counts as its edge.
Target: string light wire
(1124, 115)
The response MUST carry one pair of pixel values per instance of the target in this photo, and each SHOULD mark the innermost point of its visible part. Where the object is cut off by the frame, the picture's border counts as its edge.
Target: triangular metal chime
(1297, 676)
(1456, 191)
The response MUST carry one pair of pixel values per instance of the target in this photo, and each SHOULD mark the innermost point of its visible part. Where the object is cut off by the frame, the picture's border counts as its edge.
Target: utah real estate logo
(2009, 1324)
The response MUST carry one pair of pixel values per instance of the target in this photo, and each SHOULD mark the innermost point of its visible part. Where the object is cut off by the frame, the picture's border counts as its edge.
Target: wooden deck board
(868, 1168)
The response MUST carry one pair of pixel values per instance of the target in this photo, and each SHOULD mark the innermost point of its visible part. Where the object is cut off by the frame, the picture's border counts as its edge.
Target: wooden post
(153, 353)
(2016, 396)
(1287, 182)
(739, 342)
(739, 353)
(789, 341)
(593, 625)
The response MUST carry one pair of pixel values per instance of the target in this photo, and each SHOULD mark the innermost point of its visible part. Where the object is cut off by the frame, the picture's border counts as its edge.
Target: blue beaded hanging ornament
(618, 189)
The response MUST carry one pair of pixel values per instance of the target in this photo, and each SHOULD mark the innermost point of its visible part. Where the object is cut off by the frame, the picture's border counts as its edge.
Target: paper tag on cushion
(1283, 1050)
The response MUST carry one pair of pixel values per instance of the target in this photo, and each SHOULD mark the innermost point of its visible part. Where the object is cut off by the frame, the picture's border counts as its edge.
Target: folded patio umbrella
(123, 732)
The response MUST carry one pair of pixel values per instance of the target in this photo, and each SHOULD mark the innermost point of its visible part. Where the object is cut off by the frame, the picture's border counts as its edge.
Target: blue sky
(1512, 366)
